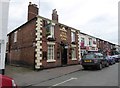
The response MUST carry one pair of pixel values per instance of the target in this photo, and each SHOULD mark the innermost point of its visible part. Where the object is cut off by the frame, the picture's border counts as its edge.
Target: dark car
(7, 82)
(110, 59)
(116, 57)
(95, 60)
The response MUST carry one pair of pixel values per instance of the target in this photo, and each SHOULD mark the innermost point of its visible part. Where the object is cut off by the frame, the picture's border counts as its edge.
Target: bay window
(50, 30)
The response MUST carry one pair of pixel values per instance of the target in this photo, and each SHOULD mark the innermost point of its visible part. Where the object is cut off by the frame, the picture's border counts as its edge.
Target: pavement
(27, 77)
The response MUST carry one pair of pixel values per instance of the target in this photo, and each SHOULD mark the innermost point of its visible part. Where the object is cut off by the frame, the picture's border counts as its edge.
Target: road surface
(105, 77)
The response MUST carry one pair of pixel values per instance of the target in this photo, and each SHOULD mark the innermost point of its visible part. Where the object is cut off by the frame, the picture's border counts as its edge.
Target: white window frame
(90, 41)
(74, 53)
(50, 58)
(82, 39)
(51, 29)
(72, 36)
(15, 36)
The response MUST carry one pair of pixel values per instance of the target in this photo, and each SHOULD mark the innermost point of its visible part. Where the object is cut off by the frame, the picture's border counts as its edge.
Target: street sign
(4, 6)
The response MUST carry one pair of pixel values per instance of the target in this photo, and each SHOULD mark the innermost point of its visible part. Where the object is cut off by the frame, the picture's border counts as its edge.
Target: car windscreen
(89, 56)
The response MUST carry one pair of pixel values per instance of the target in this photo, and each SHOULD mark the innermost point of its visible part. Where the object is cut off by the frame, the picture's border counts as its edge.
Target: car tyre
(100, 66)
(118, 60)
(107, 64)
(85, 67)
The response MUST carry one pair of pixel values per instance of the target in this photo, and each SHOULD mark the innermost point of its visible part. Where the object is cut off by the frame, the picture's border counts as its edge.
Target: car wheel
(100, 66)
(85, 67)
(118, 60)
(107, 64)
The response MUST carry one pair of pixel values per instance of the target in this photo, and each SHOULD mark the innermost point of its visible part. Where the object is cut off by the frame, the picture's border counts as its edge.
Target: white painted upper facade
(89, 41)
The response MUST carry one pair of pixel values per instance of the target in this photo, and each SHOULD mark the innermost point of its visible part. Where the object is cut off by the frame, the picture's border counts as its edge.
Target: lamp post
(4, 5)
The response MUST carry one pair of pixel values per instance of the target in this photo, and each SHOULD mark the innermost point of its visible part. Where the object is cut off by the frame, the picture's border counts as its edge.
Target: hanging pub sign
(63, 34)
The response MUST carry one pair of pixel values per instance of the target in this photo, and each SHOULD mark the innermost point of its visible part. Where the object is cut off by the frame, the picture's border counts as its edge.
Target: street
(105, 77)
(73, 75)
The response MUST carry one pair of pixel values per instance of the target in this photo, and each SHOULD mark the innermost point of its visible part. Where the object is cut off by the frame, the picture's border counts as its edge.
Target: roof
(42, 18)
(57, 23)
(21, 26)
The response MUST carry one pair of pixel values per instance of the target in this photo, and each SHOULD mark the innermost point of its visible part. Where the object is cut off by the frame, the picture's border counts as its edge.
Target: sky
(98, 18)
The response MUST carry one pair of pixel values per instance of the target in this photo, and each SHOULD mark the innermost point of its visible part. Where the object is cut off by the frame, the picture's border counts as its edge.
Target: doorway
(64, 56)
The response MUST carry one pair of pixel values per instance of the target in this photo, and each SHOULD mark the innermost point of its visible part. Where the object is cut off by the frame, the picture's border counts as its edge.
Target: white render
(79, 50)
(86, 42)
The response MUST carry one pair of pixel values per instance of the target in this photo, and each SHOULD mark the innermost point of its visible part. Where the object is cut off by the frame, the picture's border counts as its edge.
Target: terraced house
(43, 43)
(88, 43)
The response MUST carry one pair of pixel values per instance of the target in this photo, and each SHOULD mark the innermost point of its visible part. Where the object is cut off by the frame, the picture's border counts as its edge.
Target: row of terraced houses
(43, 43)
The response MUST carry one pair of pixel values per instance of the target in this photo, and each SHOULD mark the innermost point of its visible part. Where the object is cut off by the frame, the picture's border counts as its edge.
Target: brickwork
(31, 46)
(22, 51)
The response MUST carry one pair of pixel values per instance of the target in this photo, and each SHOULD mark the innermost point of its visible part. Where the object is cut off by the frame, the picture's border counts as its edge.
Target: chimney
(32, 11)
(55, 15)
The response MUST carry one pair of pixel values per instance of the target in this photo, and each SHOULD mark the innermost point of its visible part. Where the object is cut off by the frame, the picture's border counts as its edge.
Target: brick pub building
(43, 43)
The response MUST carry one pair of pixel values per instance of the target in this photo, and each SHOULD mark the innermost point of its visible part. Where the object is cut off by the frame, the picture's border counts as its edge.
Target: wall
(22, 51)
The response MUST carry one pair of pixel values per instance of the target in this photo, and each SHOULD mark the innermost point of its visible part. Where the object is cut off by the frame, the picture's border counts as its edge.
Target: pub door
(64, 56)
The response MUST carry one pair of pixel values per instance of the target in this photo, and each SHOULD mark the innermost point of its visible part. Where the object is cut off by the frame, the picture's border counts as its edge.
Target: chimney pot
(30, 3)
(55, 15)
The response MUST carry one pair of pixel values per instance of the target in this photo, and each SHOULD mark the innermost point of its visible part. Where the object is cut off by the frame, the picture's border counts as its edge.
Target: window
(90, 41)
(73, 53)
(89, 56)
(15, 36)
(82, 42)
(50, 30)
(50, 53)
(72, 36)
(94, 42)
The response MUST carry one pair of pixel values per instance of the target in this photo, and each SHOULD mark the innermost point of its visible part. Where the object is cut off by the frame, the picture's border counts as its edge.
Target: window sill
(51, 61)
(74, 59)
(51, 39)
(74, 46)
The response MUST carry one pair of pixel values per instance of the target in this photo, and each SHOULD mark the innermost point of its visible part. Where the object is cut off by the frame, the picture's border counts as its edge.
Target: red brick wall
(70, 61)
(32, 11)
(45, 64)
(22, 51)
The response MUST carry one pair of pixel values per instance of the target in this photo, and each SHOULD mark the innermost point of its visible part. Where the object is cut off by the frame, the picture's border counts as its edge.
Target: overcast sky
(98, 18)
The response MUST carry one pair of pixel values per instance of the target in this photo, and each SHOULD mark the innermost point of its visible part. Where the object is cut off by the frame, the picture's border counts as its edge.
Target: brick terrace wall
(46, 64)
(22, 51)
(70, 61)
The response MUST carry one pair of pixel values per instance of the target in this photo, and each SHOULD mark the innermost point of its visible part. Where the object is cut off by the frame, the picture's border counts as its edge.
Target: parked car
(94, 60)
(7, 82)
(116, 57)
(110, 59)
